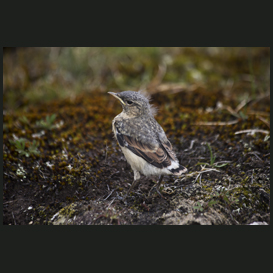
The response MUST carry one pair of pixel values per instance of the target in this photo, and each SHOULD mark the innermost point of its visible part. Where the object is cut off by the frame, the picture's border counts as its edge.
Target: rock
(185, 214)
(258, 223)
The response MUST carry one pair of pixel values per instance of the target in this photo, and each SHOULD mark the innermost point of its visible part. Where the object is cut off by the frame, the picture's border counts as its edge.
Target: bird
(142, 140)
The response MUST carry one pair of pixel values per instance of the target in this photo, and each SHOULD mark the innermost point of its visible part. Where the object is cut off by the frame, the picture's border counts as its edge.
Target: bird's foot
(151, 190)
(157, 190)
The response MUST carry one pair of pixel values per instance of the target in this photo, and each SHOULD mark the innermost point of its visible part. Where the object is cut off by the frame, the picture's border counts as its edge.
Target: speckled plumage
(142, 140)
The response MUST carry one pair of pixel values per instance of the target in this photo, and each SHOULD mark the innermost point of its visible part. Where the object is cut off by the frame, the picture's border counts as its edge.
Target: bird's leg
(136, 178)
(132, 186)
(157, 185)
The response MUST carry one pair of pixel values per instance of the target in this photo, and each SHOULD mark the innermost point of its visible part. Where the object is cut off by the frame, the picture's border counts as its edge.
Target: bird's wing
(155, 154)
(166, 144)
(176, 169)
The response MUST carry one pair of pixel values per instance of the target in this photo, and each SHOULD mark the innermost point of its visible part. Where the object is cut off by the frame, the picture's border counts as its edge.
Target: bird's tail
(178, 171)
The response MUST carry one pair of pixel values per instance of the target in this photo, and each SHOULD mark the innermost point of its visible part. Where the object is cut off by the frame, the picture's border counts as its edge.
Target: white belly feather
(139, 164)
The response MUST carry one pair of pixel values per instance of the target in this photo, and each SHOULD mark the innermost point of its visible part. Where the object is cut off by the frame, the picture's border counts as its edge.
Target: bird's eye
(129, 102)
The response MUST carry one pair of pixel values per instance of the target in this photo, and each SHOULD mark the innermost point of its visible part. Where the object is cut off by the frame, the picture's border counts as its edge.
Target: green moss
(87, 112)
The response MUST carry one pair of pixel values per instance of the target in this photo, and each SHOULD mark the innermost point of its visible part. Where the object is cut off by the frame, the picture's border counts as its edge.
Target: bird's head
(134, 104)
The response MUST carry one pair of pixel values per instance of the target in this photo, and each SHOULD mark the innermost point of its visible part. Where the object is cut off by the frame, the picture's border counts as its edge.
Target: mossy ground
(80, 163)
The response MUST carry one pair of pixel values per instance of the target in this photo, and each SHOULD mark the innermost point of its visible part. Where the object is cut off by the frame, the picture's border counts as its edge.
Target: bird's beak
(116, 96)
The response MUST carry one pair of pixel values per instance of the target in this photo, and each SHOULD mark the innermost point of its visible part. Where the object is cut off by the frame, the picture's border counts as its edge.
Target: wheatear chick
(142, 140)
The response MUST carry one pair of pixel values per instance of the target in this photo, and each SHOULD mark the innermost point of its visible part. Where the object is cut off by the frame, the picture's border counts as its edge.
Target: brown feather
(169, 149)
(156, 155)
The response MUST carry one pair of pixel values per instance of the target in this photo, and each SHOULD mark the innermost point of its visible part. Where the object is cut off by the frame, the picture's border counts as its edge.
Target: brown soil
(80, 174)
